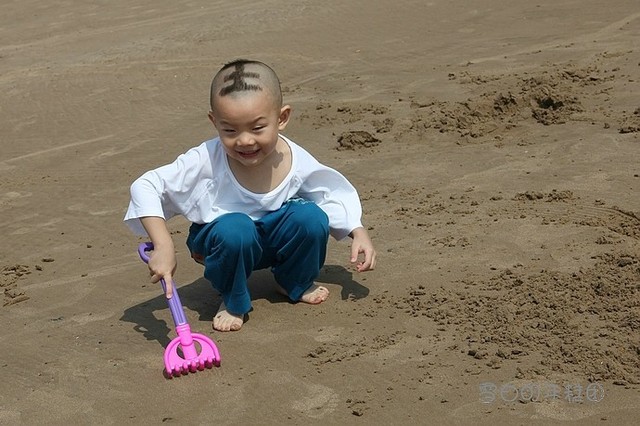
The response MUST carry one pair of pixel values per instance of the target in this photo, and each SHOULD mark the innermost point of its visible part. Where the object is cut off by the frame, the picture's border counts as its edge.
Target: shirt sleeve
(335, 195)
(166, 191)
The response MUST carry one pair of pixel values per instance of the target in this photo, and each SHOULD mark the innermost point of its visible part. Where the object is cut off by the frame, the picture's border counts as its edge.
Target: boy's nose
(245, 139)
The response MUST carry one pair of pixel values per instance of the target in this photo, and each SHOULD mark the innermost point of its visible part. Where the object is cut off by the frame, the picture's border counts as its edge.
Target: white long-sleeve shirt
(200, 186)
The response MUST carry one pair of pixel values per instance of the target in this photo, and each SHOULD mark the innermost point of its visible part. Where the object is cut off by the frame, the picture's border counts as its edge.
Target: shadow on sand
(200, 297)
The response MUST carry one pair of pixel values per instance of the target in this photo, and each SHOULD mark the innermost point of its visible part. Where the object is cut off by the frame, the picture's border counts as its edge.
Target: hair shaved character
(243, 76)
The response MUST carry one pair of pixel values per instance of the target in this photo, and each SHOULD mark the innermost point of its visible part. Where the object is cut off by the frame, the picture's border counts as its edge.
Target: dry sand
(496, 149)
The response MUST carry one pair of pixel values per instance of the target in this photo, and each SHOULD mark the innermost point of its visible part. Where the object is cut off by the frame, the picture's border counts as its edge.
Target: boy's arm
(362, 245)
(162, 262)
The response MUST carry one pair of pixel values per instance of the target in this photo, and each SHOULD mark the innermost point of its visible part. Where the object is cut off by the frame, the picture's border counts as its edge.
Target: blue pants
(292, 241)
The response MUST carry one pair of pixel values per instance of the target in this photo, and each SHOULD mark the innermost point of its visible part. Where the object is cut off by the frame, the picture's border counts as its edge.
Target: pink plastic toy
(187, 359)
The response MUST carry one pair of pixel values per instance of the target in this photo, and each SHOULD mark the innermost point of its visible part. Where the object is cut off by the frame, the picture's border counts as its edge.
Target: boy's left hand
(362, 245)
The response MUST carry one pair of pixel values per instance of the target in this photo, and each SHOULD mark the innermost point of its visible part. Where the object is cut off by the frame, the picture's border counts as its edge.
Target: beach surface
(496, 149)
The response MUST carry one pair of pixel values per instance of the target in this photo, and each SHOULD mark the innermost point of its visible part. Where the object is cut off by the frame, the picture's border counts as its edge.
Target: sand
(496, 149)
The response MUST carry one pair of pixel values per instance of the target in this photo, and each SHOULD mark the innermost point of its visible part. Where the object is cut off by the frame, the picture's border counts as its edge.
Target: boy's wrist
(356, 231)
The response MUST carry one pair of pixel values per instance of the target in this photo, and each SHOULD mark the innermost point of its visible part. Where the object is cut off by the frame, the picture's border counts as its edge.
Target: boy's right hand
(162, 266)
(162, 261)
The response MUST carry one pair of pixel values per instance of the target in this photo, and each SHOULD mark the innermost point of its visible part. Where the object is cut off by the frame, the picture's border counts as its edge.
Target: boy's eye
(258, 128)
(228, 130)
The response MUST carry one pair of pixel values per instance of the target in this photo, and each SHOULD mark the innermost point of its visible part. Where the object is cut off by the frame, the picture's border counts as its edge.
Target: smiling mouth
(249, 154)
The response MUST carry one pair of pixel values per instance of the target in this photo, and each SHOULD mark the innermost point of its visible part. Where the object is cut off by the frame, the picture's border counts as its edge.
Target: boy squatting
(254, 197)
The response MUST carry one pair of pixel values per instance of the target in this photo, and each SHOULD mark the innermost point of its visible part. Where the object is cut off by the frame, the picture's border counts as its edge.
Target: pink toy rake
(189, 360)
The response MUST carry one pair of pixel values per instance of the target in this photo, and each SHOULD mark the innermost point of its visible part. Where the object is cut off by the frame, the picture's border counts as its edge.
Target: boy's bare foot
(315, 294)
(225, 321)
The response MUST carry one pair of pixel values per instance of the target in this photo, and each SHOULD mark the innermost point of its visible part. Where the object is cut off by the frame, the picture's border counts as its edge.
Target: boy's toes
(315, 294)
(225, 321)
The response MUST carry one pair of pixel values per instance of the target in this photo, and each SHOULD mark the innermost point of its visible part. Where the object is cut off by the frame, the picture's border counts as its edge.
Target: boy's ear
(283, 119)
(212, 119)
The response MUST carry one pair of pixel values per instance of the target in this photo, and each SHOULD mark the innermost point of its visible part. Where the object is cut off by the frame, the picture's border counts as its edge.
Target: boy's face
(248, 126)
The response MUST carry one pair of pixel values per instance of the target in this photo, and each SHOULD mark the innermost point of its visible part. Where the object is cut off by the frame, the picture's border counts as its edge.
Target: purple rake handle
(175, 305)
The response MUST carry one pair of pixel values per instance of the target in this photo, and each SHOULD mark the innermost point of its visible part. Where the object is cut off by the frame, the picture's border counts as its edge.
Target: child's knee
(235, 227)
(309, 216)
(233, 231)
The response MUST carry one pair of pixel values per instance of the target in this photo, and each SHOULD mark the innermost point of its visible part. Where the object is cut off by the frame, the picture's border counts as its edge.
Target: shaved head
(242, 77)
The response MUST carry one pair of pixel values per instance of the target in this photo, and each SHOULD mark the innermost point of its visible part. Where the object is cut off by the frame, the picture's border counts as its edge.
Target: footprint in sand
(319, 402)
(316, 401)
(14, 199)
(328, 334)
(10, 417)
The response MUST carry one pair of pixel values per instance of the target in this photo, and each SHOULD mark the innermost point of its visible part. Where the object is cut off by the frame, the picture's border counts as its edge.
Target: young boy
(255, 199)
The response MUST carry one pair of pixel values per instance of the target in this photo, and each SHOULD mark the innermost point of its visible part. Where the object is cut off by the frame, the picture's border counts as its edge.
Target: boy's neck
(266, 176)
